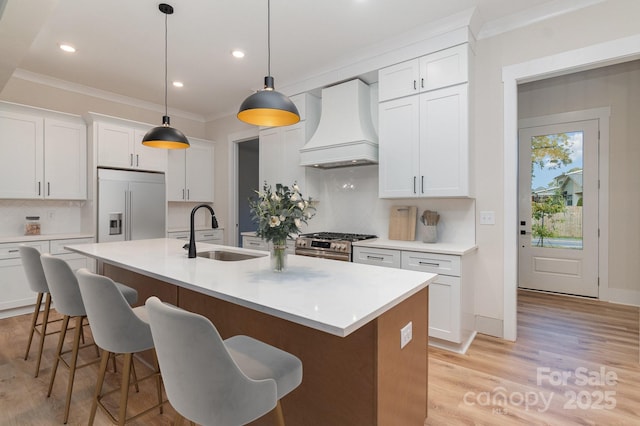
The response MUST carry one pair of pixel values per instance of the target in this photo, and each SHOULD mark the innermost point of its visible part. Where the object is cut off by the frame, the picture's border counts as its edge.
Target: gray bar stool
(218, 382)
(63, 285)
(117, 329)
(30, 257)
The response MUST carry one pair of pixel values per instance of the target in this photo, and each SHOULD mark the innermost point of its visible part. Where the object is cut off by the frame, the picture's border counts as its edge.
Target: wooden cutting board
(402, 223)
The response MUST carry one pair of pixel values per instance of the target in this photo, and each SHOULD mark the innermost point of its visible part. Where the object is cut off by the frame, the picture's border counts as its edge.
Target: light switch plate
(487, 218)
(406, 334)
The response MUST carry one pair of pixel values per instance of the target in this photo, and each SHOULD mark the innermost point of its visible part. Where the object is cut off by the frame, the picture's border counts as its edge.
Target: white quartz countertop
(459, 249)
(43, 237)
(328, 295)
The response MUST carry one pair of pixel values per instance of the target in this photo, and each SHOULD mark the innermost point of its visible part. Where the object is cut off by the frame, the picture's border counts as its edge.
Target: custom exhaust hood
(345, 135)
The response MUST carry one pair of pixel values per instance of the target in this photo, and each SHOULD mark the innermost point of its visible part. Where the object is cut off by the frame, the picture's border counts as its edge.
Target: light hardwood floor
(557, 335)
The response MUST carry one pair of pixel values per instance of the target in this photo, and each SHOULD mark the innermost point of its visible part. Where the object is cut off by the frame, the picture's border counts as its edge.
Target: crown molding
(102, 94)
(532, 15)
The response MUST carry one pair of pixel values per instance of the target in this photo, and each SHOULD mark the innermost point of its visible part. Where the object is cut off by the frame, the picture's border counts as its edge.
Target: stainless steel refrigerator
(131, 205)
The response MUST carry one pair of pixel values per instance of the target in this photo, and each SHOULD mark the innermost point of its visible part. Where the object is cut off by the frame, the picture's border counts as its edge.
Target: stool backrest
(114, 324)
(63, 286)
(202, 381)
(30, 257)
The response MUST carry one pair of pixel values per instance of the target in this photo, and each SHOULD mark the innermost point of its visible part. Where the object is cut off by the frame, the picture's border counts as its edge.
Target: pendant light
(267, 107)
(165, 136)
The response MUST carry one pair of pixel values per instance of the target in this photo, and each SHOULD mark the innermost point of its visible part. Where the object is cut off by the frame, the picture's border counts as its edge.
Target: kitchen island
(343, 320)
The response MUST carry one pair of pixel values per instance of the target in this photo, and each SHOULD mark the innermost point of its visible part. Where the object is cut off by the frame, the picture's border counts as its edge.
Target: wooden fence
(567, 224)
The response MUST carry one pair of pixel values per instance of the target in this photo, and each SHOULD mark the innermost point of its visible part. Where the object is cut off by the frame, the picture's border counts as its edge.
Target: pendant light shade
(268, 107)
(165, 136)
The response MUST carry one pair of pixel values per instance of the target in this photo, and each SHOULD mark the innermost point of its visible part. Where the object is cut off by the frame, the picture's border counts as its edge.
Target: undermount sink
(227, 256)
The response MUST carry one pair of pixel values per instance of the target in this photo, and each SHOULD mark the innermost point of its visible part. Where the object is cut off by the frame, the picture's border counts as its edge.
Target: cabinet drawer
(178, 235)
(376, 256)
(254, 243)
(57, 246)
(12, 251)
(209, 234)
(431, 262)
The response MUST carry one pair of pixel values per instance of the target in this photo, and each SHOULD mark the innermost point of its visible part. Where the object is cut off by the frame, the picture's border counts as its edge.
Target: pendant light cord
(268, 37)
(166, 78)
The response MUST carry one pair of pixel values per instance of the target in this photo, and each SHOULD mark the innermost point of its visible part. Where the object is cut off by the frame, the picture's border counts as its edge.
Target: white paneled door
(558, 208)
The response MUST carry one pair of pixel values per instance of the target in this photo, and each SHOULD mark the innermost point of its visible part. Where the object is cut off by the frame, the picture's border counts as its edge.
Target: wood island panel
(361, 379)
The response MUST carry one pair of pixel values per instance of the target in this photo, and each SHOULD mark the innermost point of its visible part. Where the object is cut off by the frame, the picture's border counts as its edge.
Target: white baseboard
(491, 326)
(622, 296)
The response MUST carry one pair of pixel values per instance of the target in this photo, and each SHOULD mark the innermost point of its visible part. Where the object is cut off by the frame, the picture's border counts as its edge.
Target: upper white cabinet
(43, 154)
(190, 173)
(120, 145)
(437, 70)
(280, 146)
(424, 144)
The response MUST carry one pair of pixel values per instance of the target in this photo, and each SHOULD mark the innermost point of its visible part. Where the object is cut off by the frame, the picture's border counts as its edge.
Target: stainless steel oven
(328, 245)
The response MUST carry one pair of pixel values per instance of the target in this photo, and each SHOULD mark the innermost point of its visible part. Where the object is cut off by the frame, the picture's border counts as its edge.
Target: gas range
(329, 245)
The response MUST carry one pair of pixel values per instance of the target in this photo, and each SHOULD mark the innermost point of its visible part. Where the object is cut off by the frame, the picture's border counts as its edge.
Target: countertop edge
(440, 248)
(45, 237)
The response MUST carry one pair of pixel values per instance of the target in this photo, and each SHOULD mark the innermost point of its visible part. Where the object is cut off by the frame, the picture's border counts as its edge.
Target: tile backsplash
(56, 217)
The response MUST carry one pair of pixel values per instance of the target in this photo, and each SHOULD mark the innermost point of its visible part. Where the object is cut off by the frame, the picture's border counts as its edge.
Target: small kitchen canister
(32, 225)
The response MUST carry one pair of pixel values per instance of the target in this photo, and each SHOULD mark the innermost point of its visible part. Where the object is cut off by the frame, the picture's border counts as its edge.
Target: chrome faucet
(192, 236)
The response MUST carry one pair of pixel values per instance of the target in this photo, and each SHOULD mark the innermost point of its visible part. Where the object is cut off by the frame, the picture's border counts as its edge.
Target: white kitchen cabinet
(15, 293)
(120, 145)
(211, 236)
(279, 156)
(451, 311)
(440, 69)
(424, 145)
(190, 173)
(257, 243)
(43, 155)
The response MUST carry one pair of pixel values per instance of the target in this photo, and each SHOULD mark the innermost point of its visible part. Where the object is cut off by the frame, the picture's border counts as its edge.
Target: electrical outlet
(406, 334)
(487, 218)
(51, 215)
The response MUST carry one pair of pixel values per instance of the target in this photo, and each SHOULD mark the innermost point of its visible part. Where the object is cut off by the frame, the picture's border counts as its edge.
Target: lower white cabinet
(257, 243)
(451, 316)
(210, 236)
(14, 287)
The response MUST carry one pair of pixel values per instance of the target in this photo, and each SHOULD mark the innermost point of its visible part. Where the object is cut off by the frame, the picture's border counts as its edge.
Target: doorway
(248, 182)
(558, 205)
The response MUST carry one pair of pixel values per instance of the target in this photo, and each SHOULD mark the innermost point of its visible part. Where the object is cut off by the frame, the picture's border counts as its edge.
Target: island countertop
(327, 295)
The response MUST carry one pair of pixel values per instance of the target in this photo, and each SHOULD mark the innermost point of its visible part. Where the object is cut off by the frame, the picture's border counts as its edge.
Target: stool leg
(279, 418)
(72, 366)
(124, 391)
(56, 361)
(104, 362)
(134, 375)
(43, 331)
(158, 378)
(34, 321)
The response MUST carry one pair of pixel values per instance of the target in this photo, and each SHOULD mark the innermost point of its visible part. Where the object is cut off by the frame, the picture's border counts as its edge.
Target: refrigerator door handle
(130, 203)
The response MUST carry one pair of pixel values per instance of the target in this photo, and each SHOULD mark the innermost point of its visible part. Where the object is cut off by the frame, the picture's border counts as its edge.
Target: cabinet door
(398, 80)
(147, 158)
(444, 308)
(21, 156)
(444, 143)
(199, 172)
(293, 138)
(15, 291)
(399, 147)
(115, 146)
(65, 153)
(444, 68)
(270, 156)
(176, 170)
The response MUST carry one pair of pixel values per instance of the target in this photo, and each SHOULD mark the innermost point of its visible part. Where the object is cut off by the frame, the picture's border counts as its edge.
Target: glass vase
(278, 251)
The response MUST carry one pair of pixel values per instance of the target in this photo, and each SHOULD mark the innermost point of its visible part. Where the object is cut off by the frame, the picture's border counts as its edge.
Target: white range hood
(345, 135)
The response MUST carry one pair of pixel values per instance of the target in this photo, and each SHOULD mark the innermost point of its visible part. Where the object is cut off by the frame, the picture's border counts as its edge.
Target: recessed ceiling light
(67, 48)
(178, 84)
(237, 53)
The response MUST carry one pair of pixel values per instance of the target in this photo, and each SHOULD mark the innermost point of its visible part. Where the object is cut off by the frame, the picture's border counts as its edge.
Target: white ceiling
(120, 43)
